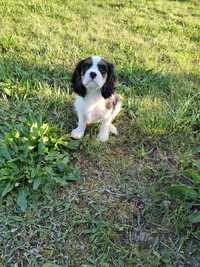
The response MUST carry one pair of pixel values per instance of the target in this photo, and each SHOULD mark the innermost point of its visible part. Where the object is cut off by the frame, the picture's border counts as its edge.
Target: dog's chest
(95, 110)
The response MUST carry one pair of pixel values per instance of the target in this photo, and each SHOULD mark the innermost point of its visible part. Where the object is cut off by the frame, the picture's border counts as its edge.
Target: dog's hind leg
(107, 126)
(117, 109)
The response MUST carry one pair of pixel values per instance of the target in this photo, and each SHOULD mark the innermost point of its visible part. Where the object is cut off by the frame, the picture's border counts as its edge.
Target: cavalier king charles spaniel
(93, 81)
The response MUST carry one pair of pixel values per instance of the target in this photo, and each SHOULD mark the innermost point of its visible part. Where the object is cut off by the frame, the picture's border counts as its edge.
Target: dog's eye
(86, 65)
(102, 68)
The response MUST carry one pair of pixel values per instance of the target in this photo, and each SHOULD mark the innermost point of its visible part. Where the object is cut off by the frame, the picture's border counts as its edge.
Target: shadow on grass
(18, 69)
(42, 90)
(147, 82)
(135, 79)
(56, 75)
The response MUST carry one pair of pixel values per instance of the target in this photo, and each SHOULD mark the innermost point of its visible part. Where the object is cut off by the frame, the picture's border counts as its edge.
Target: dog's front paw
(103, 137)
(77, 133)
(113, 129)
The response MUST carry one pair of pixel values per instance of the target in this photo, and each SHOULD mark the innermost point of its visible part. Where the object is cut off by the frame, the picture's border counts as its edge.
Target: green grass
(137, 202)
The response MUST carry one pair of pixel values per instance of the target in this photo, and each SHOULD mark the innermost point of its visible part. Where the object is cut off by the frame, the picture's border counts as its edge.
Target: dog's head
(94, 73)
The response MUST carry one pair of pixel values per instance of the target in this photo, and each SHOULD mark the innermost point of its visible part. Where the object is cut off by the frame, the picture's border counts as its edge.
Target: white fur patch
(92, 109)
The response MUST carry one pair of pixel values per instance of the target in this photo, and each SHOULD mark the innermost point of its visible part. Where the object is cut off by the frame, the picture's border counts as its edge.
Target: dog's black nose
(93, 74)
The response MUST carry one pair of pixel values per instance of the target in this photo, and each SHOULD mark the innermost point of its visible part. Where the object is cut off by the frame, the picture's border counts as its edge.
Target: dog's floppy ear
(77, 85)
(109, 87)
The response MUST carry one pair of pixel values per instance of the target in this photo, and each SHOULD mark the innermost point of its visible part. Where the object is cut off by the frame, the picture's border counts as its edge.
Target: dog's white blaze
(95, 60)
(99, 80)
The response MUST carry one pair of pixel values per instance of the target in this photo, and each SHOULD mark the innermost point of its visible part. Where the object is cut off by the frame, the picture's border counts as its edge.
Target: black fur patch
(84, 67)
(77, 85)
(109, 87)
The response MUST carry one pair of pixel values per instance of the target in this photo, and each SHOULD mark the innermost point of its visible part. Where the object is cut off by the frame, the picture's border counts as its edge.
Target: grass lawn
(134, 201)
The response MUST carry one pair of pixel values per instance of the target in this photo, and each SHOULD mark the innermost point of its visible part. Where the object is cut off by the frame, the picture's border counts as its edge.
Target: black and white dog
(93, 81)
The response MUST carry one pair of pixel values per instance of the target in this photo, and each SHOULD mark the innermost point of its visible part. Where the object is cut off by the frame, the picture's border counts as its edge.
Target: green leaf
(9, 187)
(197, 234)
(59, 180)
(25, 151)
(73, 176)
(49, 265)
(22, 198)
(194, 175)
(4, 152)
(183, 191)
(197, 164)
(36, 183)
(62, 164)
(41, 148)
(52, 155)
(7, 91)
(195, 217)
(196, 149)
(73, 145)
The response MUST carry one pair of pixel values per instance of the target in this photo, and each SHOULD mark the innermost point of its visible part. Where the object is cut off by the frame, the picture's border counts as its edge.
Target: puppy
(93, 81)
